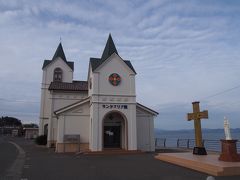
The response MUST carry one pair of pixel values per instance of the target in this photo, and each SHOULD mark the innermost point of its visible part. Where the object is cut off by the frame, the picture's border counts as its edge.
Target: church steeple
(59, 53)
(109, 48)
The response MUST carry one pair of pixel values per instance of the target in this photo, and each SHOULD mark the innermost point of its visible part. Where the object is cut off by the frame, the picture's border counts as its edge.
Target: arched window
(57, 76)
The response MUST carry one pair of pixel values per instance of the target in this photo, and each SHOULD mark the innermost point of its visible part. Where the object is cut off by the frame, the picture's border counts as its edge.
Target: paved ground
(8, 154)
(42, 163)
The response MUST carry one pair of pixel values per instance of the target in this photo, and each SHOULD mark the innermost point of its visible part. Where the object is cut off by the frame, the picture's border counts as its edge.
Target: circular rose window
(114, 79)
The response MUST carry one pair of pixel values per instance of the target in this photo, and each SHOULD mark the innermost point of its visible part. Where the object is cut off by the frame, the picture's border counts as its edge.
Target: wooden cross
(197, 116)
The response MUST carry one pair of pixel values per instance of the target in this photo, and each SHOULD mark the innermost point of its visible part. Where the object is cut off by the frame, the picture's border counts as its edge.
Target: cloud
(181, 50)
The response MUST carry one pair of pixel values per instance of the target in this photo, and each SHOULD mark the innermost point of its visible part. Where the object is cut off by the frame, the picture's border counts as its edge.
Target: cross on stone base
(197, 116)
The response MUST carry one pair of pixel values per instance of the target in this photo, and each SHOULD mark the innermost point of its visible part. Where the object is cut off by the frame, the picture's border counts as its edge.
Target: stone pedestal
(229, 151)
(199, 151)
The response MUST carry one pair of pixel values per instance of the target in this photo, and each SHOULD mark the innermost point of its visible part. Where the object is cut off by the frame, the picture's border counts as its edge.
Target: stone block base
(51, 144)
(199, 151)
(72, 147)
(229, 151)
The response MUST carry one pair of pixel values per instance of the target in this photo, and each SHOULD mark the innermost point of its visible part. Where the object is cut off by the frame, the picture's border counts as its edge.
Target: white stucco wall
(114, 64)
(87, 119)
(46, 107)
(78, 125)
(105, 93)
(90, 81)
(145, 131)
(97, 126)
(57, 63)
(75, 122)
(62, 99)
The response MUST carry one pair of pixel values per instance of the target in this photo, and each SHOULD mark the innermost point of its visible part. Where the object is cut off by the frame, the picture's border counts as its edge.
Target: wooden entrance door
(112, 136)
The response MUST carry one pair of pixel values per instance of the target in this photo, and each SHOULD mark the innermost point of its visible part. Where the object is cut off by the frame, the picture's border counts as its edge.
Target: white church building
(94, 115)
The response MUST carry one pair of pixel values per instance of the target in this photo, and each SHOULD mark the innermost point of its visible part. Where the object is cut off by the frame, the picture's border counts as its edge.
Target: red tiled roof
(74, 86)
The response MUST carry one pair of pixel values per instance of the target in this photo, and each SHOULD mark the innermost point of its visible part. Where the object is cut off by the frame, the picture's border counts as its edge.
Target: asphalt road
(42, 163)
(8, 154)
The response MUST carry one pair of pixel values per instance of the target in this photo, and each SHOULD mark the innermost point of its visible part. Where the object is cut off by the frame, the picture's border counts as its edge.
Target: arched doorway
(114, 131)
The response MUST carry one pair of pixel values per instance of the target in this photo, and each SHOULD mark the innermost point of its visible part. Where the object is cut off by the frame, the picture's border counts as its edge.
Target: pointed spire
(59, 53)
(109, 48)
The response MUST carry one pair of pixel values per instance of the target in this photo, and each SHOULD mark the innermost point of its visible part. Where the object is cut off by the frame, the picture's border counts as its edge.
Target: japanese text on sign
(115, 106)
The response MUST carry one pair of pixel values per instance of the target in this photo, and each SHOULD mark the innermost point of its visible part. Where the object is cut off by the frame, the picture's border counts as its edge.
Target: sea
(210, 136)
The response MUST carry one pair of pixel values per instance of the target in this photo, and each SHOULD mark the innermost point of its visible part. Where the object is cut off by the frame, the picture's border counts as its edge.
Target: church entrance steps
(113, 152)
(208, 164)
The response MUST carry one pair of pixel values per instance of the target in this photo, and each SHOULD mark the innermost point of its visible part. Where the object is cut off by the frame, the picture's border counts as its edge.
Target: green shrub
(41, 140)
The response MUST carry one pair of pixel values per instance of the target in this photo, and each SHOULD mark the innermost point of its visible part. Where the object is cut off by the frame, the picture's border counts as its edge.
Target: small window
(57, 76)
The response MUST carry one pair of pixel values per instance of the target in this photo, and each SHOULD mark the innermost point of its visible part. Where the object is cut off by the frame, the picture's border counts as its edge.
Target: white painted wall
(87, 119)
(115, 64)
(46, 108)
(57, 63)
(75, 121)
(62, 99)
(78, 125)
(145, 131)
(90, 81)
(105, 93)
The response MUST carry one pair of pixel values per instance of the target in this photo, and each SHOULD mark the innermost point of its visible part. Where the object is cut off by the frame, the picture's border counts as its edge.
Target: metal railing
(212, 145)
(160, 142)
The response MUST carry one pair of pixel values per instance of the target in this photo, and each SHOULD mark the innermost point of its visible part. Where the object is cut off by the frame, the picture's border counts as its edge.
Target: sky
(182, 51)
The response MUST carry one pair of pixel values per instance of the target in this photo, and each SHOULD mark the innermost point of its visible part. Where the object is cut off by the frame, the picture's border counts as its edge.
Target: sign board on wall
(71, 139)
(115, 106)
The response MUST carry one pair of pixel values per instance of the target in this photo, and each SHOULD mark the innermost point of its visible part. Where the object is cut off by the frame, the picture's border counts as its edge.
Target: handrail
(160, 142)
(212, 145)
